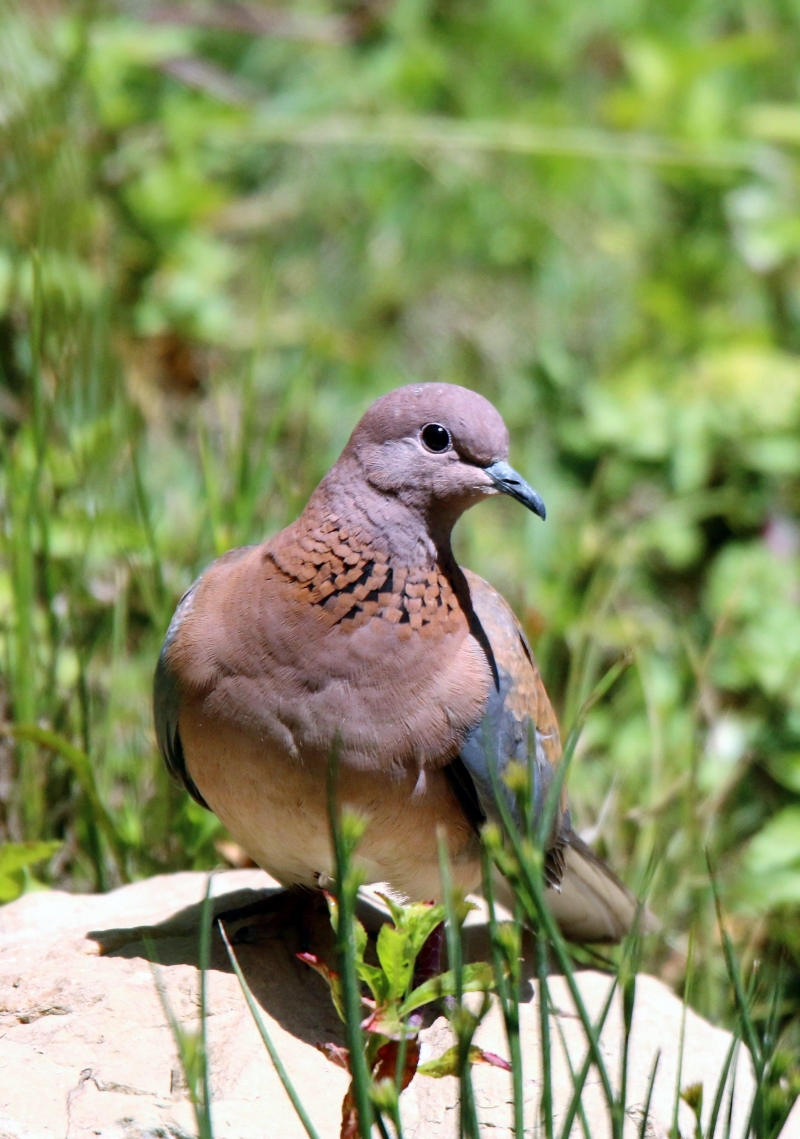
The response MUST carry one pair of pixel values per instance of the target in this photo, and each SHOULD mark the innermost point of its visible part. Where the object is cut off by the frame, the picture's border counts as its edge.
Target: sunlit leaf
(477, 977)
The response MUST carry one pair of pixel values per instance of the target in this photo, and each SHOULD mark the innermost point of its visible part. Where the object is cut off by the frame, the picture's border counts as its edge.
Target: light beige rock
(85, 1049)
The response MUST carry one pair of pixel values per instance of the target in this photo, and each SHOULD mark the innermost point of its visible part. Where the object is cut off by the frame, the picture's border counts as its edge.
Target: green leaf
(358, 929)
(396, 960)
(422, 924)
(374, 977)
(477, 977)
(395, 909)
(777, 845)
(15, 857)
(418, 920)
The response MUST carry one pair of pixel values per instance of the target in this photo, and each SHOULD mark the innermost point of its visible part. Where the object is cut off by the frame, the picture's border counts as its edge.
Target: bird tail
(591, 905)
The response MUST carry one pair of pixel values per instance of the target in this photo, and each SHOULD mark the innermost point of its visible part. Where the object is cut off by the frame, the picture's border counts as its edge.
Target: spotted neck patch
(351, 582)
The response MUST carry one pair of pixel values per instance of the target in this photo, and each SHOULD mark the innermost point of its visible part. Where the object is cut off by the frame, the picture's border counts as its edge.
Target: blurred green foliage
(226, 228)
(16, 859)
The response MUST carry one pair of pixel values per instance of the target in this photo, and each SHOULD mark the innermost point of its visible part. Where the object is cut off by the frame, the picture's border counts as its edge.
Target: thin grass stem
(507, 986)
(649, 1097)
(731, 1097)
(584, 1122)
(461, 1018)
(674, 1133)
(191, 1056)
(81, 767)
(347, 889)
(721, 1082)
(579, 1084)
(546, 1106)
(532, 899)
(274, 1055)
(206, 918)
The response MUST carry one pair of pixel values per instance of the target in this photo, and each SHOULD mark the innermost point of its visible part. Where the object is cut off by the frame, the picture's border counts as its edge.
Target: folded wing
(519, 725)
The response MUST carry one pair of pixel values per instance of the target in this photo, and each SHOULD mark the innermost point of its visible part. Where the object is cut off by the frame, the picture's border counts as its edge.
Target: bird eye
(435, 438)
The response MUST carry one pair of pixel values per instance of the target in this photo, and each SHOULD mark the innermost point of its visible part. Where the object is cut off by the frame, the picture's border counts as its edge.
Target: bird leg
(291, 909)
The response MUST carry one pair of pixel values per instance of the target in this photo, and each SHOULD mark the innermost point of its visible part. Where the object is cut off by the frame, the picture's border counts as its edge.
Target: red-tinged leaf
(350, 1128)
(337, 1055)
(429, 958)
(447, 1063)
(316, 963)
(385, 1022)
(385, 1065)
(489, 1058)
(330, 975)
(381, 1024)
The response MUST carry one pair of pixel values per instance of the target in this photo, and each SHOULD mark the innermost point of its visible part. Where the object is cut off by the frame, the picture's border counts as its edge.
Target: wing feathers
(593, 905)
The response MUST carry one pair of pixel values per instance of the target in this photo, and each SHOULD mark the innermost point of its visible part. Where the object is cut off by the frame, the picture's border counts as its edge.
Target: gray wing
(166, 690)
(166, 704)
(518, 725)
(588, 900)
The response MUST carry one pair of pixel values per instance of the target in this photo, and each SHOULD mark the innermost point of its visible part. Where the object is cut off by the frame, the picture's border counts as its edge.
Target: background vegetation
(227, 227)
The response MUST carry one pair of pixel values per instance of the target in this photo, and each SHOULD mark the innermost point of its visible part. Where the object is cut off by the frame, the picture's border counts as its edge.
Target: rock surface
(85, 1048)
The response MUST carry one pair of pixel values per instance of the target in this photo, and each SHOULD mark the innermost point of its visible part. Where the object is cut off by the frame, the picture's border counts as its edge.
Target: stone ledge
(85, 1050)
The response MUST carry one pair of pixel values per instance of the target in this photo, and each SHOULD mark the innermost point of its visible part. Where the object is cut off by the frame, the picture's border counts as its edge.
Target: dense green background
(226, 228)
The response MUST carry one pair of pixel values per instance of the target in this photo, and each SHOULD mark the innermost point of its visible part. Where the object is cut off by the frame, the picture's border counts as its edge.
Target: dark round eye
(436, 438)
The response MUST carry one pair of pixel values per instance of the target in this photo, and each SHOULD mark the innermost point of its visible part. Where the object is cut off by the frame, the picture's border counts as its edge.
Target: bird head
(438, 449)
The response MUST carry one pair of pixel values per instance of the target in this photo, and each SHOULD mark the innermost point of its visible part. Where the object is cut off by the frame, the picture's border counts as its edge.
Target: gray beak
(507, 481)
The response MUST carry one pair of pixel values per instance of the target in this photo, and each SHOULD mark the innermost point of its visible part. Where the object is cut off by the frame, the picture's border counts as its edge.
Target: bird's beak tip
(510, 482)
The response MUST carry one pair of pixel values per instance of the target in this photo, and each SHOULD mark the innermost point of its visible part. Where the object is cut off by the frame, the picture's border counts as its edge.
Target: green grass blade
(579, 1084)
(627, 974)
(206, 918)
(187, 1045)
(628, 986)
(461, 1019)
(161, 603)
(720, 1092)
(531, 897)
(674, 1133)
(274, 1056)
(507, 986)
(546, 1107)
(415, 132)
(584, 1122)
(743, 1002)
(731, 1096)
(347, 889)
(81, 767)
(544, 825)
(648, 1098)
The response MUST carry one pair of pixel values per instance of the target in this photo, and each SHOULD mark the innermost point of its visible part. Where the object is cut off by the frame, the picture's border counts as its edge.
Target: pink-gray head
(437, 448)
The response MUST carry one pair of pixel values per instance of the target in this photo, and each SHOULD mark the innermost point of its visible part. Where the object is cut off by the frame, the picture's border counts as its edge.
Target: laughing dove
(355, 627)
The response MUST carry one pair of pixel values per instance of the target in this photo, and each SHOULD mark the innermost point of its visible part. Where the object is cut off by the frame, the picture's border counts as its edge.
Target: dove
(355, 628)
